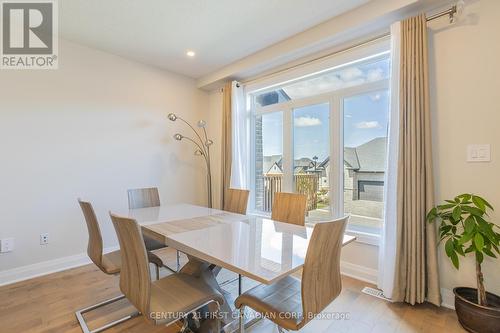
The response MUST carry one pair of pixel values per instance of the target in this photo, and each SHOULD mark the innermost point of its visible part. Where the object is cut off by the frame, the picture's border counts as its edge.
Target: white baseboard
(370, 275)
(448, 298)
(46, 267)
(359, 272)
(18, 274)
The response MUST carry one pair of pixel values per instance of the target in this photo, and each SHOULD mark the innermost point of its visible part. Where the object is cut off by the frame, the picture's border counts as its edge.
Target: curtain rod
(450, 12)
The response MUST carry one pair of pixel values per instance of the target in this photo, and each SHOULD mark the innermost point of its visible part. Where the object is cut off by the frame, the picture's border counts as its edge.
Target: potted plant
(465, 230)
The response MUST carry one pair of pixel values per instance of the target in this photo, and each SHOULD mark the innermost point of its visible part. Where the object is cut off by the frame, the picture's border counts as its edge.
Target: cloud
(368, 124)
(307, 121)
(351, 73)
(375, 74)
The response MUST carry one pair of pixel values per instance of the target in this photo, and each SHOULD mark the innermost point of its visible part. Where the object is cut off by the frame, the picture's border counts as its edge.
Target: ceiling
(159, 32)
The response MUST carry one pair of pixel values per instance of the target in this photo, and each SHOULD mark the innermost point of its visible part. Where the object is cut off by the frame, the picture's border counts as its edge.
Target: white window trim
(371, 50)
(335, 100)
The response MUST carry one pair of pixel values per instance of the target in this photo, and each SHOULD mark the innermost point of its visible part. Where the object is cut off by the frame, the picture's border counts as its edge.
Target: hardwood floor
(47, 304)
(368, 314)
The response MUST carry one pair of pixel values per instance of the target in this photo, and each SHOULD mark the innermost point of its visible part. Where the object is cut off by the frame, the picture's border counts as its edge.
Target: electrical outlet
(44, 239)
(6, 245)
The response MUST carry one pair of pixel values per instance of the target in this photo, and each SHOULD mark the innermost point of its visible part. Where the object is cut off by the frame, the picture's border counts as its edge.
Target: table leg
(208, 272)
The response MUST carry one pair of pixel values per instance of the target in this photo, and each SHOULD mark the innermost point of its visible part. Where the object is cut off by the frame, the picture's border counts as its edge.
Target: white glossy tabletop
(256, 247)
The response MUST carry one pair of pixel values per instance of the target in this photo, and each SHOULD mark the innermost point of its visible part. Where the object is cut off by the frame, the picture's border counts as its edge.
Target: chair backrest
(94, 247)
(236, 201)
(321, 281)
(135, 279)
(289, 208)
(143, 198)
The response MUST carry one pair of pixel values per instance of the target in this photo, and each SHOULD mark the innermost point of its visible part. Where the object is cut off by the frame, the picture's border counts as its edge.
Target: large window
(365, 118)
(325, 136)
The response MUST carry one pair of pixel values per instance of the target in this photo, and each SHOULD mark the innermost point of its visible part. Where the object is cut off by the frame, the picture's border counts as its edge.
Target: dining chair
(143, 198)
(291, 303)
(236, 201)
(163, 301)
(146, 198)
(109, 263)
(289, 208)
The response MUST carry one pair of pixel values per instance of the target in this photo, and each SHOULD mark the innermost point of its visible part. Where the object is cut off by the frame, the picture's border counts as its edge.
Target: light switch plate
(6, 245)
(478, 153)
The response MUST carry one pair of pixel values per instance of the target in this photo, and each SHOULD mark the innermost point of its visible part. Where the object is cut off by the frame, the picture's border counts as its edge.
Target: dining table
(252, 246)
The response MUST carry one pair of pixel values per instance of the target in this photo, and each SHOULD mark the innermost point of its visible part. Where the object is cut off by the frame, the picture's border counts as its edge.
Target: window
(365, 118)
(268, 159)
(324, 135)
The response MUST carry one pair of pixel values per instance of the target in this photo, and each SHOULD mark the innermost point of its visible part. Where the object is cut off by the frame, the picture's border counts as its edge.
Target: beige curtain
(416, 277)
(226, 141)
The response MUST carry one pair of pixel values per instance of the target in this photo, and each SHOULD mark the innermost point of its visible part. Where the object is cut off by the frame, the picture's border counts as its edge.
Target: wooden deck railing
(304, 183)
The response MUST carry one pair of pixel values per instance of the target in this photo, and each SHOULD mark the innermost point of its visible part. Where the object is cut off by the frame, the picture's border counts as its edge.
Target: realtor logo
(29, 34)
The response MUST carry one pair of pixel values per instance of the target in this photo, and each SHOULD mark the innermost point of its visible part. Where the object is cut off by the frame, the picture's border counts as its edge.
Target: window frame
(335, 100)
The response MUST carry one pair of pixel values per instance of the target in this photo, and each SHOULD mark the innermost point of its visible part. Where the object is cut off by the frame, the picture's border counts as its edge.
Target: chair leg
(83, 324)
(218, 318)
(184, 326)
(242, 319)
(157, 269)
(240, 285)
(178, 261)
(217, 324)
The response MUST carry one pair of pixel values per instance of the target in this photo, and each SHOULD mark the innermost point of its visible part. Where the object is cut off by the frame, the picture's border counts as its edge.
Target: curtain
(226, 149)
(241, 139)
(387, 249)
(411, 274)
(235, 139)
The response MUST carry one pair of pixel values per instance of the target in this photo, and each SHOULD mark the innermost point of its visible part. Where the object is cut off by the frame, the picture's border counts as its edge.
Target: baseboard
(359, 272)
(18, 274)
(46, 267)
(448, 298)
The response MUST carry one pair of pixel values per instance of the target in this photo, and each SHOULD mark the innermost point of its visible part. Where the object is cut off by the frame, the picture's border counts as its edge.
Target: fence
(304, 184)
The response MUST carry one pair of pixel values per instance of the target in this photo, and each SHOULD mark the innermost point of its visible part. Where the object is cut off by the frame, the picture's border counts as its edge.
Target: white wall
(92, 129)
(465, 81)
(465, 77)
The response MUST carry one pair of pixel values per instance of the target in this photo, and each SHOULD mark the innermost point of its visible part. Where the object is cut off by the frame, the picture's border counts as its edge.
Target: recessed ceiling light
(190, 54)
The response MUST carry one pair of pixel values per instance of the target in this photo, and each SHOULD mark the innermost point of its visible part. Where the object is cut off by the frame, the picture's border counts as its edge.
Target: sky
(365, 116)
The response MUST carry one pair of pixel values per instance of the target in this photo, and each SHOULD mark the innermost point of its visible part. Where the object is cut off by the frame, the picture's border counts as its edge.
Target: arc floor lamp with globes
(202, 144)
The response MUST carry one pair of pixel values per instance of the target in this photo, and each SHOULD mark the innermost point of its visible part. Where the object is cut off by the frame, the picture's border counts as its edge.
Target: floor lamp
(203, 148)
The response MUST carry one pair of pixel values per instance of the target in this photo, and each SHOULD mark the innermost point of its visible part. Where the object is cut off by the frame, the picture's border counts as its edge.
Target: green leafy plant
(465, 230)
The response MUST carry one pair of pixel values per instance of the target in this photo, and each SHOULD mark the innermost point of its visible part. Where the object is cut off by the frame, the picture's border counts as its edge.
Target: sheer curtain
(241, 138)
(387, 252)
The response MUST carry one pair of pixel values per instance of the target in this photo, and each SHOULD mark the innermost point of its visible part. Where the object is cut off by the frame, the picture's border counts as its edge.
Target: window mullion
(337, 156)
(288, 150)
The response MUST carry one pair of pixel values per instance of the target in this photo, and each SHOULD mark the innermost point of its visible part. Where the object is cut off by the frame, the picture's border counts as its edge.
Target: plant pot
(477, 318)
